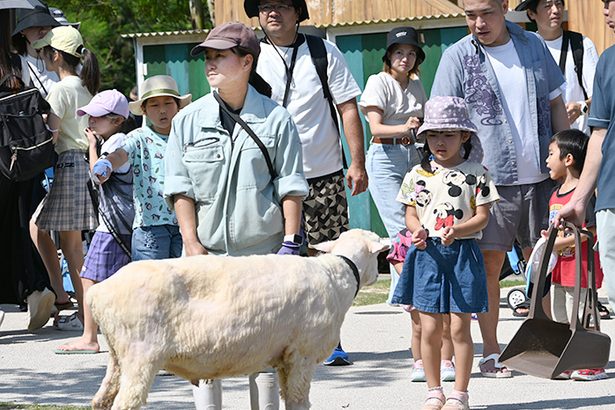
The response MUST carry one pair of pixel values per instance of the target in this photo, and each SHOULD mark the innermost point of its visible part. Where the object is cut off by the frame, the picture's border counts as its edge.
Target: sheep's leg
(295, 386)
(136, 378)
(103, 399)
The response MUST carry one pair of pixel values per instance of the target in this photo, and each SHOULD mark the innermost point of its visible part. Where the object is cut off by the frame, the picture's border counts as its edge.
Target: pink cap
(104, 103)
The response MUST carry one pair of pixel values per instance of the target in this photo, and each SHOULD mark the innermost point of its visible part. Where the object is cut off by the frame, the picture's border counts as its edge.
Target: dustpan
(545, 348)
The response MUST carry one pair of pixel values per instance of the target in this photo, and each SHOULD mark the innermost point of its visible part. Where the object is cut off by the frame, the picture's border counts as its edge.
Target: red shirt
(564, 272)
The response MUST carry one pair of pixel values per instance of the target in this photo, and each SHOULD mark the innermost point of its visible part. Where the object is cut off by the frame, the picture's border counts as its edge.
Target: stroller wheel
(515, 298)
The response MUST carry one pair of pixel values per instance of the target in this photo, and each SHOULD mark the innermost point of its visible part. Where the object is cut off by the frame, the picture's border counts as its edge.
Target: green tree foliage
(103, 22)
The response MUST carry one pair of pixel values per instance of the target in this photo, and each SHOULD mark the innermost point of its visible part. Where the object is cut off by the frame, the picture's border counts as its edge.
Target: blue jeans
(156, 242)
(387, 165)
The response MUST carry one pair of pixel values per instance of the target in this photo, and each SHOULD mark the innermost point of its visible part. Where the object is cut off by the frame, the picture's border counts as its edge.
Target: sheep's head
(362, 248)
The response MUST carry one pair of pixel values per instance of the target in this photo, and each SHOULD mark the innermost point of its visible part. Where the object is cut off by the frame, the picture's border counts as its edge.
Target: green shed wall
(175, 60)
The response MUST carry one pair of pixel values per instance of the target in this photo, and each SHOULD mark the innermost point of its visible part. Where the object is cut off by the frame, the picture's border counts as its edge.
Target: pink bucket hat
(447, 113)
(105, 103)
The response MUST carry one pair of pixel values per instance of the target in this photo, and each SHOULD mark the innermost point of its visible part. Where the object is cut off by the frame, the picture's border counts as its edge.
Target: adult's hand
(573, 212)
(289, 248)
(573, 109)
(194, 249)
(356, 179)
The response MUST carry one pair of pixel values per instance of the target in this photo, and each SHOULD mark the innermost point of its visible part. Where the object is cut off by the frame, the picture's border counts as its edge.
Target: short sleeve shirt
(601, 115)
(65, 98)
(448, 196)
(306, 102)
(145, 150)
(397, 104)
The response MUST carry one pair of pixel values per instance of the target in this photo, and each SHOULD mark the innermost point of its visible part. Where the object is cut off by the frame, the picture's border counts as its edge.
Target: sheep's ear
(325, 247)
(382, 245)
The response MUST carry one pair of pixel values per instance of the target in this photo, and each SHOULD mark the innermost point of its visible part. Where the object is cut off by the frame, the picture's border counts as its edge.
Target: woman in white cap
(33, 25)
(67, 208)
(236, 193)
(155, 232)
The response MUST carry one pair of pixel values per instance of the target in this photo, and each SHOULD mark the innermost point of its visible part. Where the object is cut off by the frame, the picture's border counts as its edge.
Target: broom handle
(590, 308)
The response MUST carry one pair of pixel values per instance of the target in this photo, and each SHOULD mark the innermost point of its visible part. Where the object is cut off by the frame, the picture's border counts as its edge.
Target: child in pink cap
(110, 247)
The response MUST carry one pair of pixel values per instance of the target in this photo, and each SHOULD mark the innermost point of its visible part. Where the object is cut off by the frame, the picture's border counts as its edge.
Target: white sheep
(211, 317)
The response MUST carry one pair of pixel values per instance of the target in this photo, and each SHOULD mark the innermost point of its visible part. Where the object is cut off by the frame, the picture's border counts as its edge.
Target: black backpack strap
(576, 43)
(318, 52)
(564, 52)
(251, 133)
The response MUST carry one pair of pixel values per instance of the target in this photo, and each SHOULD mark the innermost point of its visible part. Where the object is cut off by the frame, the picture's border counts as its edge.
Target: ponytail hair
(427, 154)
(90, 71)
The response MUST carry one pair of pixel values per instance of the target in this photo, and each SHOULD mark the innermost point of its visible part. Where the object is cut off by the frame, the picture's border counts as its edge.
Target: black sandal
(603, 311)
(523, 305)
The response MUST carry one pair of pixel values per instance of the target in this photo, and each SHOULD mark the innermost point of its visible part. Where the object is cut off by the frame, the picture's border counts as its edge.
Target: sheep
(211, 317)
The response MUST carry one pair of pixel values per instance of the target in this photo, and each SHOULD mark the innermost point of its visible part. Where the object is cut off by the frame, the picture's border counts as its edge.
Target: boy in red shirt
(565, 162)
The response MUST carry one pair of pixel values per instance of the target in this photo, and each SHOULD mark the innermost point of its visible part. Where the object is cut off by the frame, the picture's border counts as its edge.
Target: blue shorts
(444, 279)
(156, 242)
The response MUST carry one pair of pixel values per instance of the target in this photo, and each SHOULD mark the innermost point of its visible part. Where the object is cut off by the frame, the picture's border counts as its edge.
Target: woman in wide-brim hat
(227, 198)
(33, 25)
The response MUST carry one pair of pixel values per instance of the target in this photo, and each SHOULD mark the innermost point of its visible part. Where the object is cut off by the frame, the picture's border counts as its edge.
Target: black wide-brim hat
(39, 16)
(525, 4)
(405, 35)
(251, 8)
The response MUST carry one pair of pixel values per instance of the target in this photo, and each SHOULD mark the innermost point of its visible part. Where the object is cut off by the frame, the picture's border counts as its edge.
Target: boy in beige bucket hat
(155, 230)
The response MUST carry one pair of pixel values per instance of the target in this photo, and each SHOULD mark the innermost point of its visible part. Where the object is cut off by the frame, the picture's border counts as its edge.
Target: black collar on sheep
(355, 272)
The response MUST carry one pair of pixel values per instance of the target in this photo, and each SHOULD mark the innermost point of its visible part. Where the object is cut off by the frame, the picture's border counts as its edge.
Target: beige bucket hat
(158, 86)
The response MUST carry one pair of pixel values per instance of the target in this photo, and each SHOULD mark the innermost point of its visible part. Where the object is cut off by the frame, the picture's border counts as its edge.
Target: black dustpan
(544, 348)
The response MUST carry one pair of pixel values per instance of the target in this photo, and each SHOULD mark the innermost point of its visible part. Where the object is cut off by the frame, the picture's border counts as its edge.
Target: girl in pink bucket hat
(447, 200)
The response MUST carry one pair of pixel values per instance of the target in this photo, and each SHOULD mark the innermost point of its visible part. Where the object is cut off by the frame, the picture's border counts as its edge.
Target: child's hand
(92, 138)
(448, 236)
(419, 239)
(102, 170)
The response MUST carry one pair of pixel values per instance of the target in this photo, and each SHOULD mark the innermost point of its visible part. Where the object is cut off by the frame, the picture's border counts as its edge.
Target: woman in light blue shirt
(227, 198)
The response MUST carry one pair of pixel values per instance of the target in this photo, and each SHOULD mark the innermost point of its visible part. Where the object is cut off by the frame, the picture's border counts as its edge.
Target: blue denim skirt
(444, 279)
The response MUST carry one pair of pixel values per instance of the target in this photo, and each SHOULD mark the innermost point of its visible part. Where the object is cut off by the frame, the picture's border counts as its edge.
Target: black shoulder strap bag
(251, 133)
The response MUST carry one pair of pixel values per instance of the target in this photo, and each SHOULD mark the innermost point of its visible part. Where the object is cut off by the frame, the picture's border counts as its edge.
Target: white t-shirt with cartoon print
(448, 196)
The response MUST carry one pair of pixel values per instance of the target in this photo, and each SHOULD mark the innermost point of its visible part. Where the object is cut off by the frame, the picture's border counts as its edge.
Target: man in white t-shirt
(287, 65)
(512, 88)
(548, 15)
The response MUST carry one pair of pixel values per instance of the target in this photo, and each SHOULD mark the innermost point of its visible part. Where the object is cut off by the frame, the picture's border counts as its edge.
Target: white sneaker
(447, 371)
(418, 372)
(39, 308)
(71, 322)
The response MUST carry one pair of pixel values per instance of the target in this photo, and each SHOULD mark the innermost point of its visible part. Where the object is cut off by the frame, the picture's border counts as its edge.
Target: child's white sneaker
(71, 322)
(418, 372)
(447, 371)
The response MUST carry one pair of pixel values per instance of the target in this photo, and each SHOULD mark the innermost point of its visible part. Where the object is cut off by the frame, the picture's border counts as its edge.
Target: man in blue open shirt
(511, 85)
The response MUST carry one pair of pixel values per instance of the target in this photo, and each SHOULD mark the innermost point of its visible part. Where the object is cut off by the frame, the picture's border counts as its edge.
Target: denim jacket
(465, 71)
(238, 205)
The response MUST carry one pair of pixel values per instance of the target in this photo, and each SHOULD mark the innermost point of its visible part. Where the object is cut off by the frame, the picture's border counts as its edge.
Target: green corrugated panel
(175, 60)
(359, 206)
